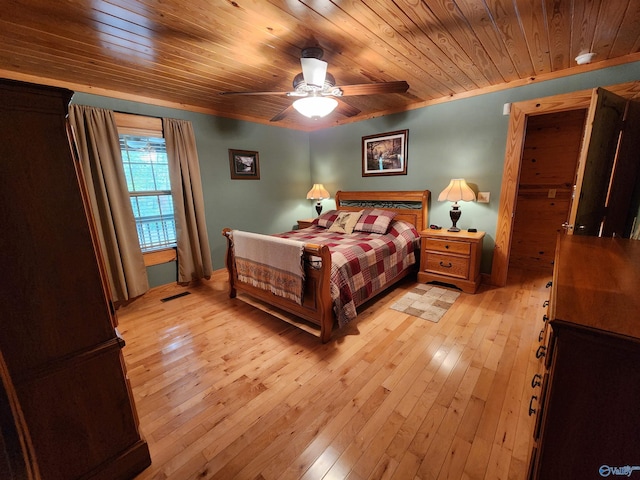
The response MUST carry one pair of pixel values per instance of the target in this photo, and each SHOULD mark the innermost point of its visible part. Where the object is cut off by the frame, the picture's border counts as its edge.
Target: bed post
(226, 233)
(324, 296)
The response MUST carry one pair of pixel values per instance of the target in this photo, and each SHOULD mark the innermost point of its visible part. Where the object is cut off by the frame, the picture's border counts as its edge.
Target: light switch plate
(483, 197)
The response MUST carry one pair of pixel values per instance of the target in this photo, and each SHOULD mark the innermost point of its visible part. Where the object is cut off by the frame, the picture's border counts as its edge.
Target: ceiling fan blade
(374, 88)
(345, 109)
(254, 93)
(282, 114)
(314, 71)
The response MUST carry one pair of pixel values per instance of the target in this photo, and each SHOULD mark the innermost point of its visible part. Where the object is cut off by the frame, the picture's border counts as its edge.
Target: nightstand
(307, 222)
(452, 258)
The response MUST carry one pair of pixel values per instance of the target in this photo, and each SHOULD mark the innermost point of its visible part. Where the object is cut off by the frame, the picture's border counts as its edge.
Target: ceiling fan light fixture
(316, 89)
(315, 107)
(314, 72)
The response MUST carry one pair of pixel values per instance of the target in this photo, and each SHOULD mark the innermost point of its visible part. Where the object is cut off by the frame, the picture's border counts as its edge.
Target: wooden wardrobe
(57, 328)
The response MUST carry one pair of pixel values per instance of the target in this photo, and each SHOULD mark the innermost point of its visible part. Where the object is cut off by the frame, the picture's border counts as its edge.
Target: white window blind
(144, 158)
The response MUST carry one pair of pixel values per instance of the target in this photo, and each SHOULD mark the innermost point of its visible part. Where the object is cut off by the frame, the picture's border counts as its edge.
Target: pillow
(326, 219)
(375, 221)
(345, 222)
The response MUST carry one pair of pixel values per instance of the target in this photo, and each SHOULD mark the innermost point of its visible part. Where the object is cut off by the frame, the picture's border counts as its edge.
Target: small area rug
(428, 302)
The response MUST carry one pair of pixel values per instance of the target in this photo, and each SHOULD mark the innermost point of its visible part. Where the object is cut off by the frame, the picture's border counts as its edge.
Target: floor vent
(173, 297)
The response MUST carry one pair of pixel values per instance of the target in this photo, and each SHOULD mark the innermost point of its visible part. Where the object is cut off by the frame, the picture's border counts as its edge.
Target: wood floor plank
(225, 390)
(454, 462)
(476, 465)
(408, 466)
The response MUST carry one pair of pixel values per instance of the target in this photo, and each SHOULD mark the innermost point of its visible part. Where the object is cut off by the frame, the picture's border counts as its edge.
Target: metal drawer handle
(536, 381)
(546, 303)
(549, 284)
(531, 409)
(541, 336)
(545, 318)
(447, 247)
(446, 266)
(541, 352)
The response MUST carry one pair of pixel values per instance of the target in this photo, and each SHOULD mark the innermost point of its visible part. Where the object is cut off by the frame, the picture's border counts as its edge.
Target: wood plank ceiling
(184, 53)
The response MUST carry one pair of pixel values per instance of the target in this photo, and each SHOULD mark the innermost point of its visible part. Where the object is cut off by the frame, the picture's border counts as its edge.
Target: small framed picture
(385, 154)
(244, 164)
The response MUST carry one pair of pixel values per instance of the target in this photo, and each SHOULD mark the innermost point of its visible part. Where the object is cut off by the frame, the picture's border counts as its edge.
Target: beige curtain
(194, 256)
(98, 146)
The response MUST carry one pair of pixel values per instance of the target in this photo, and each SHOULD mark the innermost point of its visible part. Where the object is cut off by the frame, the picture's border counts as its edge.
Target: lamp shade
(318, 192)
(315, 107)
(457, 190)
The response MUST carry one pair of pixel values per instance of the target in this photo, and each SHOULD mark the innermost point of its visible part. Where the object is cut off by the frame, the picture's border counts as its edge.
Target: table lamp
(456, 191)
(318, 193)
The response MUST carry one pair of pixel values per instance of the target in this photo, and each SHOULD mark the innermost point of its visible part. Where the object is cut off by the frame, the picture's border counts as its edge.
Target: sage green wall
(269, 205)
(462, 138)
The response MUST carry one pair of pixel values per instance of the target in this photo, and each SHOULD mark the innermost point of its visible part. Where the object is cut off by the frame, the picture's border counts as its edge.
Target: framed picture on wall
(385, 154)
(244, 164)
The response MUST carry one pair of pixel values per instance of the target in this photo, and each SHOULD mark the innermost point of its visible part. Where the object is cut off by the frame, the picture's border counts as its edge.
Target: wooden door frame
(520, 111)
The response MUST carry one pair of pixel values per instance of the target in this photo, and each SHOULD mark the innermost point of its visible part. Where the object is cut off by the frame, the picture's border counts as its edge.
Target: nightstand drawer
(448, 265)
(448, 246)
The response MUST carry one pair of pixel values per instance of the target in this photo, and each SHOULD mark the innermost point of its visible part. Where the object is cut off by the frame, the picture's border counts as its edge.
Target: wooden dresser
(58, 329)
(586, 395)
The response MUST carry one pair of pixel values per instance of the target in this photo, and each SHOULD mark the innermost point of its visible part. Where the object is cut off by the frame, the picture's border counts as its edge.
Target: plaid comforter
(362, 263)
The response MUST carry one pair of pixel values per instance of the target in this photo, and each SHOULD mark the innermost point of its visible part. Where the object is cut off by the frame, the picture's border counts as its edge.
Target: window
(144, 158)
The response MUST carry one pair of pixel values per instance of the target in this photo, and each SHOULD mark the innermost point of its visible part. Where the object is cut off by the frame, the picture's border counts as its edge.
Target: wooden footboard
(316, 306)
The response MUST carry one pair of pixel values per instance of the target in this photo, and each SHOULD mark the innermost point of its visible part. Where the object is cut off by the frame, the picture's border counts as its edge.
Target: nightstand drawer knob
(449, 265)
(541, 352)
(532, 410)
(546, 303)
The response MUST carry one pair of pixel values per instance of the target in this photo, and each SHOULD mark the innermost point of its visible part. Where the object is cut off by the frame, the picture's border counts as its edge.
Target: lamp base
(319, 208)
(455, 214)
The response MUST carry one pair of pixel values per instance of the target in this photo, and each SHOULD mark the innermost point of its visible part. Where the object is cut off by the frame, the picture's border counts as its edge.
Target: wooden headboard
(411, 206)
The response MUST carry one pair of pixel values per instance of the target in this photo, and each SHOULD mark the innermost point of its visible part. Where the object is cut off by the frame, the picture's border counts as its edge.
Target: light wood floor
(224, 390)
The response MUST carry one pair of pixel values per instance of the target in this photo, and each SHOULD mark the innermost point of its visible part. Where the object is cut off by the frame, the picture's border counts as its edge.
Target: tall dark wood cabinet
(57, 327)
(586, 397)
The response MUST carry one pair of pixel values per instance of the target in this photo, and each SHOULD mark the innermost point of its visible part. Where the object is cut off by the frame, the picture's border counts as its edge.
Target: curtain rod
(138, 114)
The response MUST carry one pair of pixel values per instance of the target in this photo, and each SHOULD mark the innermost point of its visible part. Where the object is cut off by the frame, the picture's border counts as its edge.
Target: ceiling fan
(316, 89)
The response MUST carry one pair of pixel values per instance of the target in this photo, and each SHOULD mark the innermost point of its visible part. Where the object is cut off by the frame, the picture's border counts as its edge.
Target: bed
(332, 260)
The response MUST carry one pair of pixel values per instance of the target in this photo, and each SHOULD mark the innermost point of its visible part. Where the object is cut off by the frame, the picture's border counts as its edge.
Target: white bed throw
(270, 263)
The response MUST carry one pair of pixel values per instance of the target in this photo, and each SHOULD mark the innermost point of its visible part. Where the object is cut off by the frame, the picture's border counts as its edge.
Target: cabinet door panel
(620, 210)
(82, 413)
(604, 122)
(53, 295)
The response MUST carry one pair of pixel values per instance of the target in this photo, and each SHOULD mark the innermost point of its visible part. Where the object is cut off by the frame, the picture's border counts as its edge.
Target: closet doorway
(547, 175)
(521, 113)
